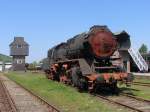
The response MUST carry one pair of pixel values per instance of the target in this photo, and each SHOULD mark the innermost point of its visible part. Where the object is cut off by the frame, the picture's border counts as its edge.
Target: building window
(19, 46)
(19, 61)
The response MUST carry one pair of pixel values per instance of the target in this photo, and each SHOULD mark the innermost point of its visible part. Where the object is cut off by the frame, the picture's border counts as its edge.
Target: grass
(142, 79)
(137, 91)
(64, 97)
(140, 91)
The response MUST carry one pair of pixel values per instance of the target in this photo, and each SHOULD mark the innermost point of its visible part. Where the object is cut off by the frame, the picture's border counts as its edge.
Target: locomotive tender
(90, 60)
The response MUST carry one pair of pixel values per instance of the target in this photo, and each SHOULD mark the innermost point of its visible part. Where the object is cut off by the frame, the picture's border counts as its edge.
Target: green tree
(32, 66)
(35, 63)
(143, 49)
(5, 58)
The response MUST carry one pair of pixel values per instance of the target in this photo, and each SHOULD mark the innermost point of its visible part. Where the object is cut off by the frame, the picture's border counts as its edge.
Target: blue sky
(45, 23)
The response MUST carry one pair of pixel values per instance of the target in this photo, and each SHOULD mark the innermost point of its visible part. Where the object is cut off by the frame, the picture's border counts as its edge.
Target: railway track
(141, 84)
(6, 102)
(127, 101)
(50, 107)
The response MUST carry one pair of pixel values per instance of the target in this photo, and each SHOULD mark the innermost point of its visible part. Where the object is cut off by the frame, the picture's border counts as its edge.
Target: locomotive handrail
(107, 67)
(67, 61)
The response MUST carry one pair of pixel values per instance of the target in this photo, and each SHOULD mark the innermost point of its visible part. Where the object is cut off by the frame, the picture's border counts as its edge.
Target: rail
(50, 106)
(10, 101)
(129, 105)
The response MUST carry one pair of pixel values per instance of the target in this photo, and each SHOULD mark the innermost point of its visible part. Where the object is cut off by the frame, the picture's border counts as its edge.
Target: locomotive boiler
(90, 60)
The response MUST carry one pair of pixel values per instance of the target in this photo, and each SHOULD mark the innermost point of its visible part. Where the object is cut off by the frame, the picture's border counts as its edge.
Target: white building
(1, 66)
(5, 66)
(8, 66)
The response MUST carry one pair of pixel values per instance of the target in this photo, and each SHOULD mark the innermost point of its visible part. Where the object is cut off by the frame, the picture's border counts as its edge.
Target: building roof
(8, 63)
(123, 32)
(123, 39)
(19, 40)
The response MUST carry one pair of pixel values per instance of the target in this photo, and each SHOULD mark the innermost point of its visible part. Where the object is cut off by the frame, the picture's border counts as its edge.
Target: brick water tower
(19, 49)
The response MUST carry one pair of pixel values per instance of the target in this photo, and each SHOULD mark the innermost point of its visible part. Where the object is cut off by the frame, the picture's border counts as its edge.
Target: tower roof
(19, 40)
(19, 47)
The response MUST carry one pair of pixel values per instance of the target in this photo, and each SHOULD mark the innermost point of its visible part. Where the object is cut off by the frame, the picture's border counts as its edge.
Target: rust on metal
(92, 77)
(103, 43)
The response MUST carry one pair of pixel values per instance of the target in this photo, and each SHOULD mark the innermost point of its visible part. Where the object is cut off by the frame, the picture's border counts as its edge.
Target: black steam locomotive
(89, 60)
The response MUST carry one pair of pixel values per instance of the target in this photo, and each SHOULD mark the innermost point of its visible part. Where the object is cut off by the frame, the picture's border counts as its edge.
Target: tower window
(19, 46)
(19, 61)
